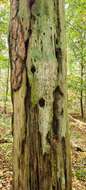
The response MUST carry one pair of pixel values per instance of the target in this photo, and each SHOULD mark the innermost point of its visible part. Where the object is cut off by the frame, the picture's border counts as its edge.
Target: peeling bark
(38, 80)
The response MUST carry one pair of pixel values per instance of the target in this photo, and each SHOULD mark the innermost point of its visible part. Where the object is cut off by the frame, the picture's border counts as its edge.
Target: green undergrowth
(81, 174)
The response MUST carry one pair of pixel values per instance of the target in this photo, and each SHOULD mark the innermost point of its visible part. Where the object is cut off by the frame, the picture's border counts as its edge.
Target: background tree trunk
(7, 89)
(81, 92)
(38, 81)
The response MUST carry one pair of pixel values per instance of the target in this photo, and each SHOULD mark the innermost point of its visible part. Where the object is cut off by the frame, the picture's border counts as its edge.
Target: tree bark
(7, 89)
(81, 91)
(41, 149)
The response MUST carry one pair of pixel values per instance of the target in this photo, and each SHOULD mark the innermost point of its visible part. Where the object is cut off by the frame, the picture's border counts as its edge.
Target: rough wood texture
(38, 81)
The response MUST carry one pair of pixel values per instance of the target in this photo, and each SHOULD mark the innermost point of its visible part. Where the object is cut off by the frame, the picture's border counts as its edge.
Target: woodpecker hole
(42, 102)
(33, 69)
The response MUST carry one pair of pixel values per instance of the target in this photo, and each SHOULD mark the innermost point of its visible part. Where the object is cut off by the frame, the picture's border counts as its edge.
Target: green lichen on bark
(44, 60)
(39, 96)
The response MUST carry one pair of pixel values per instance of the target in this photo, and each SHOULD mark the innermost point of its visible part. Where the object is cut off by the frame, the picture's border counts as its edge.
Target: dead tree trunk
(38, 81)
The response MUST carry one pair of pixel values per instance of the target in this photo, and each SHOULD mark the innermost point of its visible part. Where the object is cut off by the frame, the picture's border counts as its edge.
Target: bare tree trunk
(81, 92)
(7, 88)
(38, 81)
(85, 100)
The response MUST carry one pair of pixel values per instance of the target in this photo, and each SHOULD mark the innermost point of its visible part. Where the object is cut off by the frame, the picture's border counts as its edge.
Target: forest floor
(78, 144)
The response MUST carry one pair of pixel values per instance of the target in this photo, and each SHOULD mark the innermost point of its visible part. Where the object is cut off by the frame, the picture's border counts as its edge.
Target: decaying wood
(38, 80)
(17, 53)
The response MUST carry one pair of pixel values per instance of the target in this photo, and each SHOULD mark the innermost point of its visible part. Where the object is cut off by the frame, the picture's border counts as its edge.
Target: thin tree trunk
(38, 81)
(7, 88)
(81, 93)
(85, 102)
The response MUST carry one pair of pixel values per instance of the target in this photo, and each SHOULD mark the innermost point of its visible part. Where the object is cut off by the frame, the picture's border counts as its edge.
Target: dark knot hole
(33, 69)
(42, 102)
